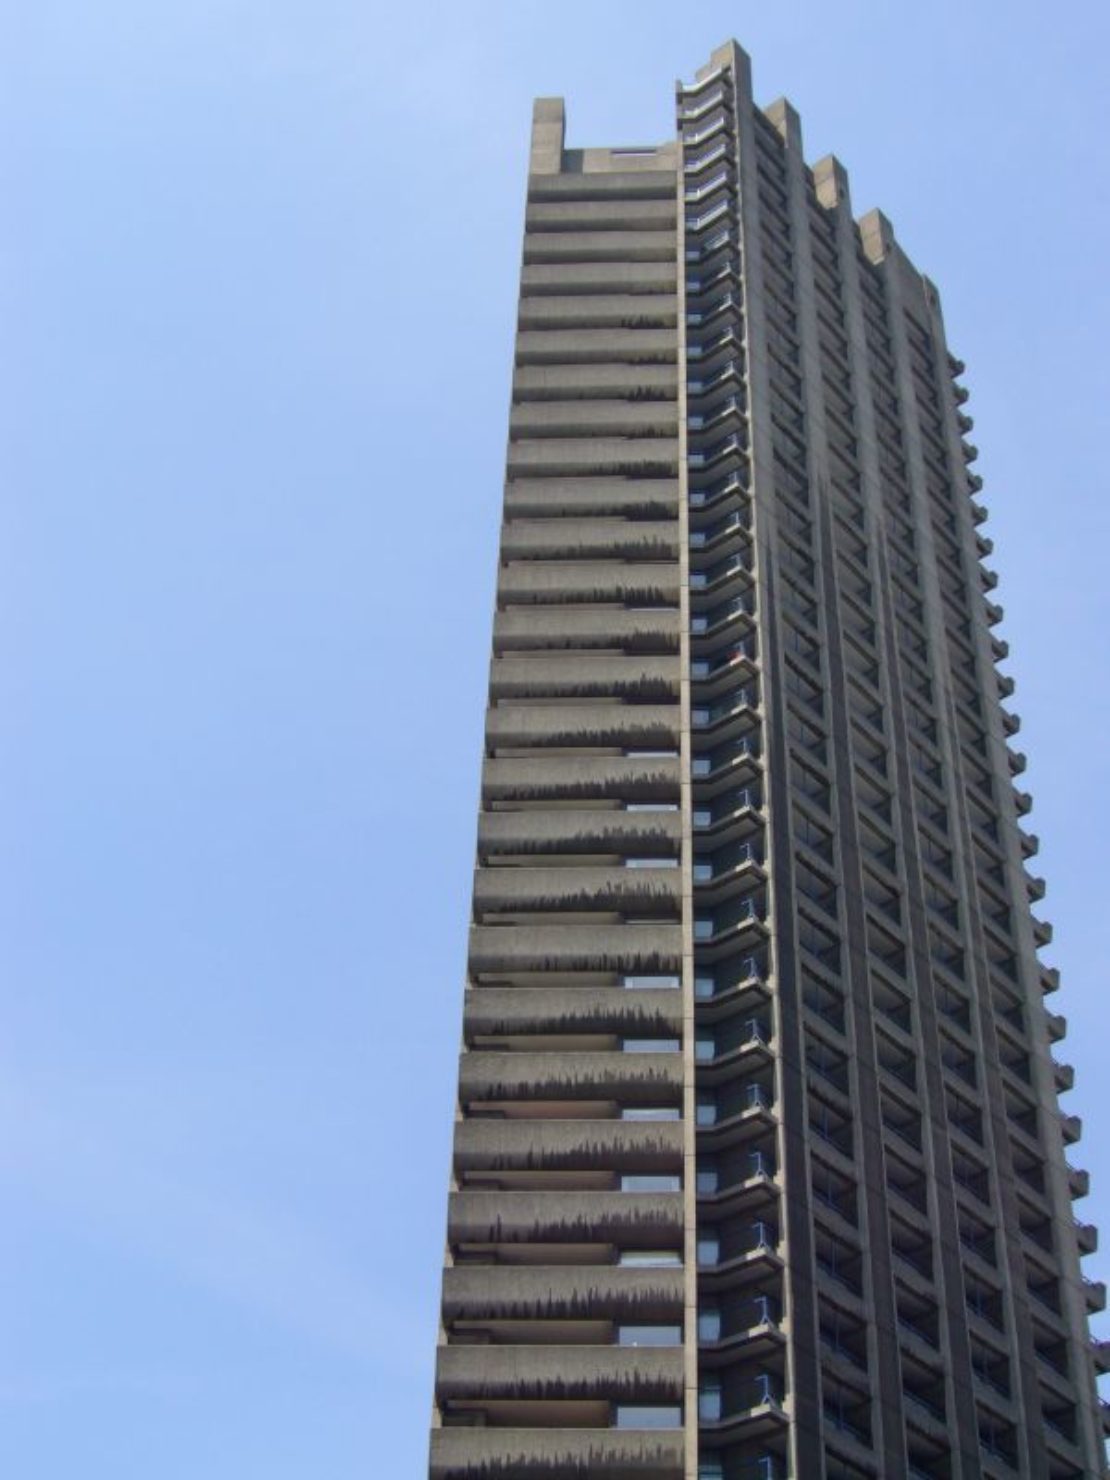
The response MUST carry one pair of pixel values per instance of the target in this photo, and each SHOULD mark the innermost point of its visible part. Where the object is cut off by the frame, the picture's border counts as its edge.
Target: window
(650, 1112)
(650, 1045)
(650, 1259)
(651, 1182)
(640, 1416)
(649, 1335)
(709, 1400)
(709, 1249)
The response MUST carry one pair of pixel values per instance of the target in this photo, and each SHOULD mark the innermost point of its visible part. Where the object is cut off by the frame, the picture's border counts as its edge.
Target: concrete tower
(759, 1167)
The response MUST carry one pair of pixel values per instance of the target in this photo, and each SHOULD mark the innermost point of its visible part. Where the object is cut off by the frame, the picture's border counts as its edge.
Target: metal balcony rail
(731, 369)
(717, 95)
(695, 162)
(711, 244)
(705, 129)
(732, 703)
(733, 481)
(715, 211)
(706, 187)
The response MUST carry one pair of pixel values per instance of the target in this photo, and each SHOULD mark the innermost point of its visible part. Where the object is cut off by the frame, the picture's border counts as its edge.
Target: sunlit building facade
(759, 1167)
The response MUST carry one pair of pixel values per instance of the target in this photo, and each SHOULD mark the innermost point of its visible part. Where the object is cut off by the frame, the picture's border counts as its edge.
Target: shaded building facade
(759, 1167)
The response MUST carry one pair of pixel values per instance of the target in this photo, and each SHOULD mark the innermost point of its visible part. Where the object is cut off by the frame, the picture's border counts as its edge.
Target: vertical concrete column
(689, 1095)
(548, 136)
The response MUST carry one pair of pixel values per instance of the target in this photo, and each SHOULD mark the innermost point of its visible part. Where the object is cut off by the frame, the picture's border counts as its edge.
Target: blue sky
(257, 285)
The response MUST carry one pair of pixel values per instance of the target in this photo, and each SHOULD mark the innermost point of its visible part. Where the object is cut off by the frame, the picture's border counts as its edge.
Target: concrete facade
(759, 1165)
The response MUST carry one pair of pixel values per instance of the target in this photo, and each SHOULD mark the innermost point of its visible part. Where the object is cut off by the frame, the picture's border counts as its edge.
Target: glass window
(650, 1045)
(650, 1112)
(709, 1248)
(650, 1258)
(651, 1182)
(709, 1400)
(709, 1324)
(649, 1335)
(640, 1416)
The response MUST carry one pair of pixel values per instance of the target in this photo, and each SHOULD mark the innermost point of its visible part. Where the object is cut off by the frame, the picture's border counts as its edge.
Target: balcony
(606, 831)
(631, 1012)
(564, 778)
(603, 277)
(739, 1255)
(556, 1454)
(549, 581)
(596, 726)
(598, 310)
(737, 934)
(716, 677)
(641, 243)
(585, 346)
(504, 950)
(555, 676)
(649, 891)
(579, 417)
(739, 1118)
(634, 456)
(630, 1219)
(617, 214)
(1086, 1238)
(732, 1047)
(628, 1078)
(733, 529)
(655, 498)
(532, 628)
(560, 1373)
(577, 1145)
(603, 185)
(567, 1292)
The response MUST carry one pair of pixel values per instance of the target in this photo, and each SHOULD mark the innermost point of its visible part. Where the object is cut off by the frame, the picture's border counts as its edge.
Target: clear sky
(257, 284)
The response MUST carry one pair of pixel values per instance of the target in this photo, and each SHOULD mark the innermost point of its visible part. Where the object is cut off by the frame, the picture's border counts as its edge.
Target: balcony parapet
(614, 214)
(606, 831)
(556, 1454)
(552, 1373)
(593, 346)
(634, 1012)
(525, 628)
(639, 243)
(639, 891)
(585, 539)
(631, 1078)
(556, 777)
(576, 497)
(621, 948)
(603, 185)
(562, 1292)
(635, 1220)
(580, 416)
(577, 1145)
(651, 726)
(558, 676)
(644, 584)
(592, 310)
